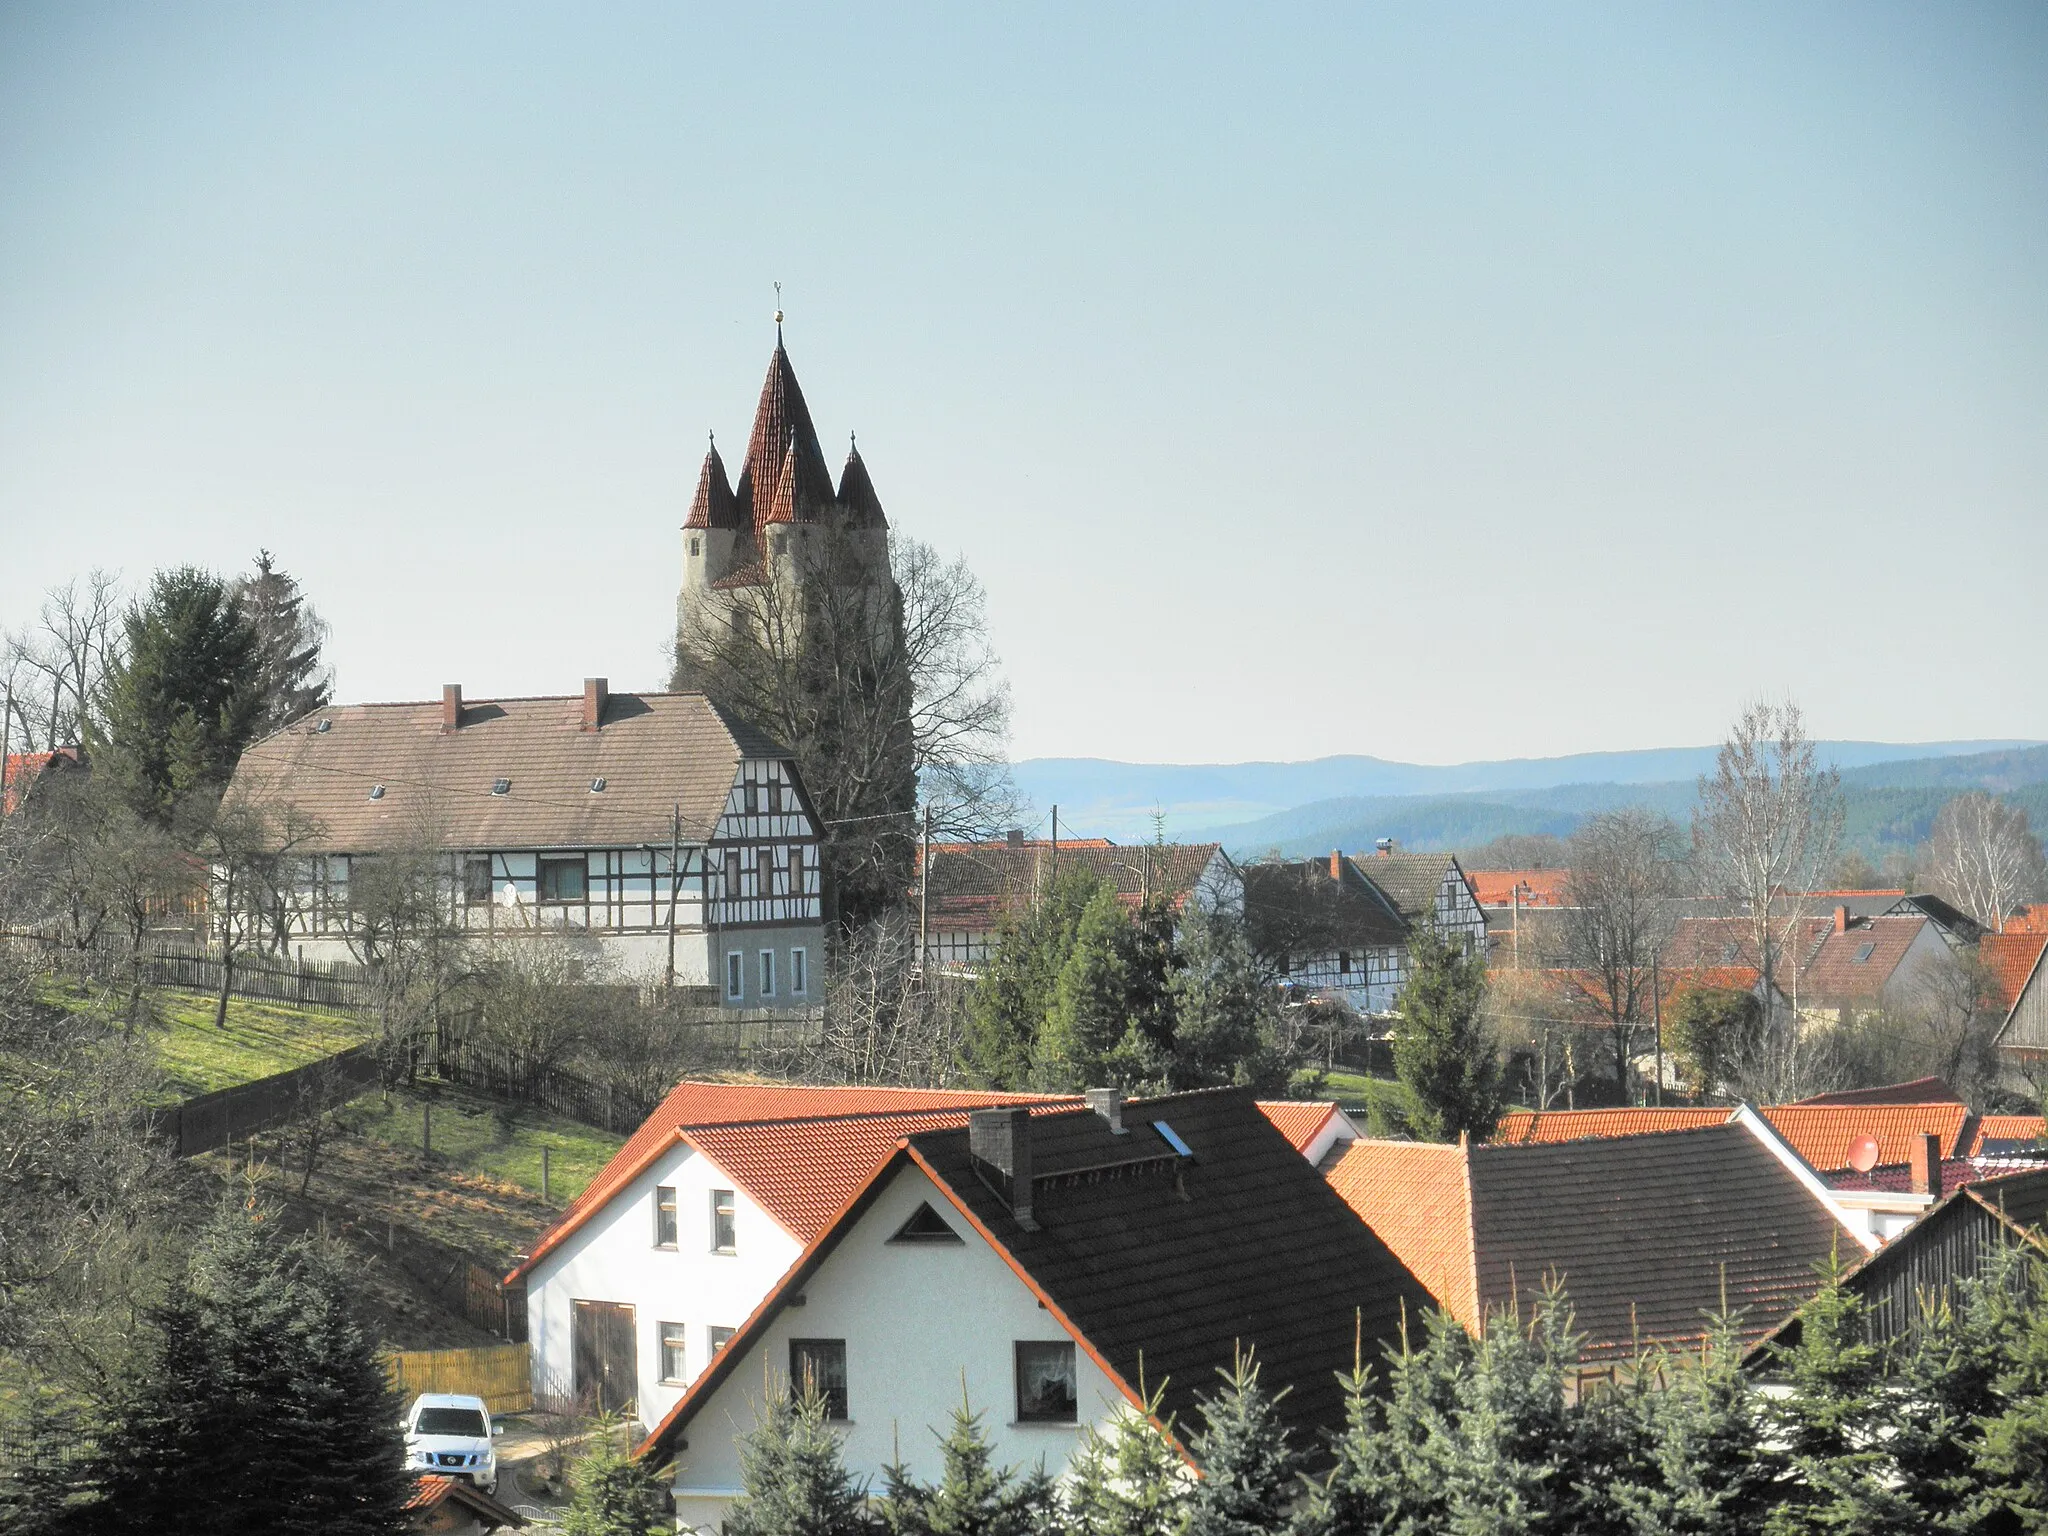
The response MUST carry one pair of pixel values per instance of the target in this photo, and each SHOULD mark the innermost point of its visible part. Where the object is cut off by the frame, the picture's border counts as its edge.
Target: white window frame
(735, 975)
(665, 1206)
(674, 1336)
(799, 971)
(767, 976)
(724, 1203)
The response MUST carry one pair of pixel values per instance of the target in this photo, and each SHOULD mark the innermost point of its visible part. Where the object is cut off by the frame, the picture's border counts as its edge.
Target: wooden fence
(502, 1374)
(213, 1120)
(266, 978)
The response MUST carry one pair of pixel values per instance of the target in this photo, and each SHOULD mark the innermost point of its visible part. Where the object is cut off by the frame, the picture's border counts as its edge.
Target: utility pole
(1657, 1013)
(6, 721)
(924, 885)
(1515, 896)
(1055, 846)
(675, 845)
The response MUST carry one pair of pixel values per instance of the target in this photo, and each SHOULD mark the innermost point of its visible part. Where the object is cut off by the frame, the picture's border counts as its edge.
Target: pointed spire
(782, 425)
(857, 491)
(713, 505)
(803, 487)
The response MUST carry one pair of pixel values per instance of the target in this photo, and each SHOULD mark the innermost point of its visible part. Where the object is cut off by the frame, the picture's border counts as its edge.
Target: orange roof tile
(1550, 1125)
(1299, 1120)
(2028, 919)
(1538, 887)
(1921, 1090)
(1824, 1133)
(2006, 1128)
(2011, 958)
(1417, 1199)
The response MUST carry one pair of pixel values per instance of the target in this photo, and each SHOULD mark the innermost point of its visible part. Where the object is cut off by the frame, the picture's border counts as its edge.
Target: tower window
(693, 546)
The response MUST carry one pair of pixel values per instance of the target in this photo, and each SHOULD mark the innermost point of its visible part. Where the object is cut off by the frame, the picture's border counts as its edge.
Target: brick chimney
(451, 706)
(1000, 1141)
(1926, 1165)
(1336, 863)
(1109, 1104)
(594, 695)
(1014, 837)
(1841, 919)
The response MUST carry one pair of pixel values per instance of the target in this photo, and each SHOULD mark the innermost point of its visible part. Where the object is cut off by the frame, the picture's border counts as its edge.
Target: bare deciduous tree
(250, 848)
(884, 1021)
(54, 667)
(1768, 824)
(1617, 911)
(1942, 1023)
(1986, 858)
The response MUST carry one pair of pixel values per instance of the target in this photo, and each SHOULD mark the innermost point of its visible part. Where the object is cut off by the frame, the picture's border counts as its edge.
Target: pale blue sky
(1437, 383)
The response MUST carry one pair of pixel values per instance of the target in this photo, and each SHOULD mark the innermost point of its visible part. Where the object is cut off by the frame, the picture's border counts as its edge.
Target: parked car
(453, 1435)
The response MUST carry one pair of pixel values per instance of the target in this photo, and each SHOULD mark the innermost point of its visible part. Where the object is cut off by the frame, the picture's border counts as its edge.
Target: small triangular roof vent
(926, 1226)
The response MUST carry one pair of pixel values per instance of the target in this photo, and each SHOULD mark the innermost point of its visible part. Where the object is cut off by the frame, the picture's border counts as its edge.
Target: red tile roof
(431, 1490)
(2011, 958)
(1824, 1133)
(1854, 966)
(1538, 887)
(1921, 1090)
(713, 506)
(975, 885)
(801, 1153)
(20, 771)
(1553, 1125)
(1417, 1197)
(2006, 1128)
(2028, 919)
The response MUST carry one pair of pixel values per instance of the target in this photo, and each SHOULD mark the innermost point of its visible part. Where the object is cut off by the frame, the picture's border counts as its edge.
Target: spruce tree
(1834, 1424)
(794, 1474)
(1091, 1008)
(974, 1497)
(254, 1403)
(2010, 1305)
(1512, 1469)
(1225, 1015)
(1443, 1052)
(1251, 1475)
(1126, 1480)
(1698, 1463)
(1017, 986)
(614, 1493)
(182, 698)
(291, 678)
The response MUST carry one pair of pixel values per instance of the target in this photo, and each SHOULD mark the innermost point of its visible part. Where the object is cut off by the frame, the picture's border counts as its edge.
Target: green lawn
(482, 1136)
(1377, 1100)
(260, 1038)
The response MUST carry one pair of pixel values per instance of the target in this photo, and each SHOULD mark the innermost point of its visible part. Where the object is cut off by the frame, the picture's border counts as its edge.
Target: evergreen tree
(2010, 1305)
(1018, 985)
(1443, 1052)
(1091, 1009)
(1127, 1480)
(794, 1474)
(42, 1489)
(973, 1497)
(614, 1493)
(1225, 1014)
(182, 699)
(1251, 1475)
(255, 1403)
(291, 678)
(1697, 1463)
(1511, 1469)
(1834, 1424)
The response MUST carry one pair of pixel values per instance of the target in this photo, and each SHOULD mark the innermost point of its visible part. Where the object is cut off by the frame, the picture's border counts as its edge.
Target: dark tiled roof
(1164, 1265)
(1410, 880)
(655, 751)
(1295, 908)
(1944, 914)
(857, 494)
(1645, 1231)
(975, 885)
(1921, 1090)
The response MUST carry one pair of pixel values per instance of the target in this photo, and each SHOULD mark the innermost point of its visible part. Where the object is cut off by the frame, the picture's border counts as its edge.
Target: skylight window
(1172, 1138)
(1865, 953)
(501, 786)
(376, 791)
(324, 726)
(597, 785)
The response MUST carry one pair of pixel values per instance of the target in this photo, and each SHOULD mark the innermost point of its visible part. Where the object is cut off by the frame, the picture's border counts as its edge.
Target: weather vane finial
(778, 312)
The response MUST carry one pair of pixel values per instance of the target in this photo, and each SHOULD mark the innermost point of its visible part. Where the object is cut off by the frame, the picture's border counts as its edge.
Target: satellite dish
(1863, 1153)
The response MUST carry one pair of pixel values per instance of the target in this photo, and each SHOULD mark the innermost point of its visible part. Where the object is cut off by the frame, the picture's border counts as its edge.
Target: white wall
(613, 1258)
(915, 1317)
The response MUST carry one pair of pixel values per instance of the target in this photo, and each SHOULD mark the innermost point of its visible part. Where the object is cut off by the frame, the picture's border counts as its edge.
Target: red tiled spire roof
(802, 487)
(782, 425)
(713, 506)
(857, 493)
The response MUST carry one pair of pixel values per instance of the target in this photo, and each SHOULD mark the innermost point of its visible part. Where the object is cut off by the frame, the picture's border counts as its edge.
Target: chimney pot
(1015, 837)
(594, 695)
(451, 706)
(1000, 1140)
(1336, 863)
(1841, 919)
(1108, 1103)
(1927, 1165)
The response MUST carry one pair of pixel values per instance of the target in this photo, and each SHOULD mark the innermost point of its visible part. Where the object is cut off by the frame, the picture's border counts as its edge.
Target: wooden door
(603, 1351)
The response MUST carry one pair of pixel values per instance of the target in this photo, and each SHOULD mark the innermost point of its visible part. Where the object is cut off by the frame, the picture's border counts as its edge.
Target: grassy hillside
(480, 1136)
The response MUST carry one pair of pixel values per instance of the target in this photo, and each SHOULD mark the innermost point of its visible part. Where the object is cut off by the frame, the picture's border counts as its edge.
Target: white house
(1061, 1263)
(646, 1275)
(678, 839)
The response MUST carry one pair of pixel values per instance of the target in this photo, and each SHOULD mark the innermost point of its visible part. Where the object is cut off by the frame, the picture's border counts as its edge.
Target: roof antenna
(778, 314)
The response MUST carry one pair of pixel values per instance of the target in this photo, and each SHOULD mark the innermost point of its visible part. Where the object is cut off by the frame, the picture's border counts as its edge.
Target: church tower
(783, 520)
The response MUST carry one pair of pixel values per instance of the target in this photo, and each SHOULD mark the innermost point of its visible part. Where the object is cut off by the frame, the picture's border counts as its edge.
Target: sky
(1437, 383)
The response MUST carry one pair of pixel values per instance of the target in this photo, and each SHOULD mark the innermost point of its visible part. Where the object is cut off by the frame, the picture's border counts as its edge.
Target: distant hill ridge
(1892, 791)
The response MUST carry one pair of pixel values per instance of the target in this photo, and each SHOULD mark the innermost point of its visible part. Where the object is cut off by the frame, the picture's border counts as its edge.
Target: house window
(693, 546)
(732, 874)
(665, 1216)
(750, 798)
(674, 1357)
(796, 872)
(476, 878)
(563, 879)
(1045, 1382)
(775, 798)
(720, 1337)
(1343, 962)
(767, 973)
(735, 977)
(764, 871)
(799, 973)
(819, 1365)
(723, 1227)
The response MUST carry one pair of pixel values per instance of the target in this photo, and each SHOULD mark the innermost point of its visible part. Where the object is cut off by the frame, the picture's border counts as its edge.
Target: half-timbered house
(677, 839)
